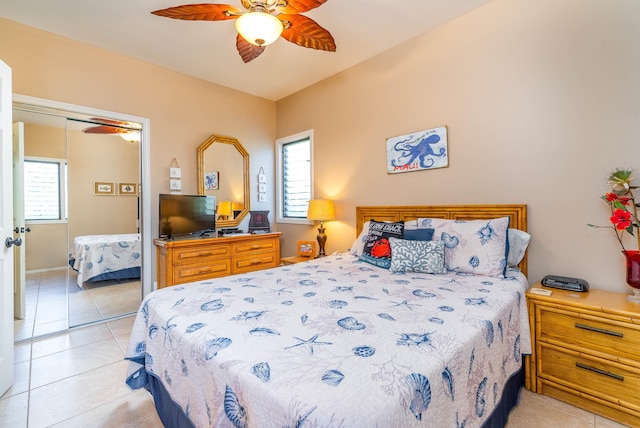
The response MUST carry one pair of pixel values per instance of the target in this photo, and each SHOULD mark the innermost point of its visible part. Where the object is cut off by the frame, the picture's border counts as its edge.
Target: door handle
(9, 242)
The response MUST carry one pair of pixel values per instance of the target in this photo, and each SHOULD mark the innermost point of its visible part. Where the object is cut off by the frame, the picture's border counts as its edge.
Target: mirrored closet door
(83, 254)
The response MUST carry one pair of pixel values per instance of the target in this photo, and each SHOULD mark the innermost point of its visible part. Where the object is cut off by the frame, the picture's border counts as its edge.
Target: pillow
(358, 244)
(518, 243)
(417, 256)
(377, 249)
(478, 247)
(418, 234)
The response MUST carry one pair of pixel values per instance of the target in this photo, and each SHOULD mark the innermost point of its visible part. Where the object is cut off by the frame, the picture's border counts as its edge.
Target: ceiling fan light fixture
(259, 28)
(131, 136)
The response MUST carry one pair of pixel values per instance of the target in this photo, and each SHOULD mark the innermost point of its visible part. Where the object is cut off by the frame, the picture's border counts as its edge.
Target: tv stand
(199, 258)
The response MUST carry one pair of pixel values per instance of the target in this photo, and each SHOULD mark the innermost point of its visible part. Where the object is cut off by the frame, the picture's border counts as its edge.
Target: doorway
(58, 291)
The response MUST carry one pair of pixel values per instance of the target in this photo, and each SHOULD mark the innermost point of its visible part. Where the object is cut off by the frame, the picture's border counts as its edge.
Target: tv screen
(186, 215)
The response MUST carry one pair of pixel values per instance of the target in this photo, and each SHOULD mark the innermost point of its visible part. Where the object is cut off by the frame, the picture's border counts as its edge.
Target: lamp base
(322, 239)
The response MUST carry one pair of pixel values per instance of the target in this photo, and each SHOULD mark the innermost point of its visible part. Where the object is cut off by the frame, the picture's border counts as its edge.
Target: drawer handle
(599, 330)
(602, 372)
(256, 262)
(255, 247)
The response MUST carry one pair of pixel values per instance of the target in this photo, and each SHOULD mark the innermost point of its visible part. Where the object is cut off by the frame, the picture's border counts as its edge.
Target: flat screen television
(182, 215)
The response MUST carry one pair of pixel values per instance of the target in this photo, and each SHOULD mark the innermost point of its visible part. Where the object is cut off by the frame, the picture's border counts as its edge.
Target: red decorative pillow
(377, 249)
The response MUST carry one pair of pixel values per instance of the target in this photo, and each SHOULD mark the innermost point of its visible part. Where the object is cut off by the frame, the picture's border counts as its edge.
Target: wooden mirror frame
(217, 139)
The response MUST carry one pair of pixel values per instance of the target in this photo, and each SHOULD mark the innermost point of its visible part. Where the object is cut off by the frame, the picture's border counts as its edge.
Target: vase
(633, 273)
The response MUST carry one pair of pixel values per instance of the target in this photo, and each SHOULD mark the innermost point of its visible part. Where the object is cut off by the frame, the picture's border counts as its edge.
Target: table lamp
(224, 210)
(321, 210)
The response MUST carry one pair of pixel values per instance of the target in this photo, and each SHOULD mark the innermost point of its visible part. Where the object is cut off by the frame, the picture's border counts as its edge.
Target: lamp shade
(225, 208)
(321, 209)
(259, 28)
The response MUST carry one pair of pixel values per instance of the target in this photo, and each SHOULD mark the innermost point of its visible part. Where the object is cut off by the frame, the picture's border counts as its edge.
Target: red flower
(612, 197)
(621, 219)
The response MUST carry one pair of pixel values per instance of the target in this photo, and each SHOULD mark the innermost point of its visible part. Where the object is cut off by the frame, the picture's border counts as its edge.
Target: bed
(106, 257)
(338, 341)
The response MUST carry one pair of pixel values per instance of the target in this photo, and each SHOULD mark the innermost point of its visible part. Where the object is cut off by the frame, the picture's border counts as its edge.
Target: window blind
(296, 173)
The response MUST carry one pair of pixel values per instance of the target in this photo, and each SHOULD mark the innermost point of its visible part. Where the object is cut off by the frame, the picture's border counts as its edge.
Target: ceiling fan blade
(247, 51)
(307, 33)
(299, 6)
(200, 12)
(105, 129)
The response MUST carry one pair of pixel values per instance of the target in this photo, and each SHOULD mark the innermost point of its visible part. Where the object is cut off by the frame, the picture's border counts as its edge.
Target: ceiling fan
(126, 130)
(261, 23)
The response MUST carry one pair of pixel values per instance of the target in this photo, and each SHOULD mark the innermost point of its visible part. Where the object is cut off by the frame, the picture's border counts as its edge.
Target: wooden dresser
(187, 260)
(586, 351)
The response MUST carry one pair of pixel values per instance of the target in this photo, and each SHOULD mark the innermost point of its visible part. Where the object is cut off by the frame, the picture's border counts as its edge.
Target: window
(295, 169)
(45, 181)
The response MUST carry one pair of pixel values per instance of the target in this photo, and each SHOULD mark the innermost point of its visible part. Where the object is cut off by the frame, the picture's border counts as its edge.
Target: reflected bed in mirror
(223, 172)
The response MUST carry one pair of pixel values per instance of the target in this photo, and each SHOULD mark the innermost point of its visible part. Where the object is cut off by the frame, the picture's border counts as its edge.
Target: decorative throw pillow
(417, 256)
(377, 249)
(518, 243)
(358, 244)
(472, 246)
(418, 234)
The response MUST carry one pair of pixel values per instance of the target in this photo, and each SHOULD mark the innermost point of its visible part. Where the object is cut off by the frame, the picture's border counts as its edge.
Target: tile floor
(47, 308)
(76, 379)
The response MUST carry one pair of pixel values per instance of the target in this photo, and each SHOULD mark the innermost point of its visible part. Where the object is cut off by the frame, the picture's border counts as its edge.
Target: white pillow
(518, 243)
(472, 246)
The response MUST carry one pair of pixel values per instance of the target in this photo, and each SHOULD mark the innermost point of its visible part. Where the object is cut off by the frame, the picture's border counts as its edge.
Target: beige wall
(541, 102)
(183, 111)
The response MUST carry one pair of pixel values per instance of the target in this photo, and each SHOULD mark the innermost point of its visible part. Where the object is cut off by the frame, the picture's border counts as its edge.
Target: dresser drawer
(600, 378)
(567, 328)
(200, 254)
(255, 262)
(241, 248)
(200, 271)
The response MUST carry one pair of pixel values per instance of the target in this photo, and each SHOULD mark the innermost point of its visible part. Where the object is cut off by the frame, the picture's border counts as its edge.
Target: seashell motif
(480, 400)
(446, 308)
(402, 282)
(123, 244)
(364, 298)
(516, 349)
(220, 290)
(488, 332)
(332, 377)
(332, 279)
(249, 299)
(365, 269)
(449, 240)
(484, 290)
(184, 367)
(423, 293)
(141, 348)
(487, 283)
(304, 318)
(386, 316)
(445, 289)
(250, 286)
(486, 233)
(309, 294)
(495, 392)
(212, 305)
(234, 410)
(337, 304)
(374, 276)
(262, 371)
(195, 327)
(436, 320)
(447, 378)
(178, 303)
(500, 331)
(364, 351)
(342, 289)
(307, 282)
(350, 323)
(472, 359)
(167, 378)
(385, 291)
(214, 345)
(420, 394)
(263, 331)
(247, 315)
(474, 262)
(153, 331)
(287, 303)
(413, 339)
(362, 281)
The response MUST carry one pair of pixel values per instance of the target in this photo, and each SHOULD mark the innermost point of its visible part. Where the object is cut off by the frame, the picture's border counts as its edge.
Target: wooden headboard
(517, 213)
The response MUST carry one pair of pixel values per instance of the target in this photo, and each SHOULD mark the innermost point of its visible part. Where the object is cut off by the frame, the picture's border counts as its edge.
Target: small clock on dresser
(586, 351)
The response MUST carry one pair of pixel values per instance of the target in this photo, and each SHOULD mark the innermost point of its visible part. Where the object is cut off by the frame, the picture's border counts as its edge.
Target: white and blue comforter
(96, 255)
(333, 342)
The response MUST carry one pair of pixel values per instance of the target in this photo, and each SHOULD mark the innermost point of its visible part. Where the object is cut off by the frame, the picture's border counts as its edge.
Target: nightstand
(586, 351)
(293, 260)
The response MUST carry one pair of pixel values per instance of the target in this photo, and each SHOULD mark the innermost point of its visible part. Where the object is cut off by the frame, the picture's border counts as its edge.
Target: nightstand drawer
(568, 329)
(597, 377)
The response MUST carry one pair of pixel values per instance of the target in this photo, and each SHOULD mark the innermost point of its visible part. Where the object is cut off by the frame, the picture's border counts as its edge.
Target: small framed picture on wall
(103, 188)
(127, 189)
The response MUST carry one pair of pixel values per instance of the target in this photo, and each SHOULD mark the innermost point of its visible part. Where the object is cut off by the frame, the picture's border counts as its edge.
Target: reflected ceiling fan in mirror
(261, 23)
(126, 130)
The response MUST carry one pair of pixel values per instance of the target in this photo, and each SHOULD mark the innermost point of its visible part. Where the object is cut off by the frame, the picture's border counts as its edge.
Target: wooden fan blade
(247, 51)
(105, 129)
(200, 12)
(299, 6)
(307, 33)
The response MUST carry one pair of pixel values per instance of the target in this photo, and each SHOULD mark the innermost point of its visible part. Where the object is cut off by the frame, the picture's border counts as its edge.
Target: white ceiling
(206, 50)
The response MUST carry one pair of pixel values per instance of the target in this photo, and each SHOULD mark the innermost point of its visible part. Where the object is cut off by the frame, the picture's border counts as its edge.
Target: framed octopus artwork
(418, 151)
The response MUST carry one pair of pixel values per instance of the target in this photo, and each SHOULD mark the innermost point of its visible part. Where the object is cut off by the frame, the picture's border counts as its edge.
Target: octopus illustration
(422, 150)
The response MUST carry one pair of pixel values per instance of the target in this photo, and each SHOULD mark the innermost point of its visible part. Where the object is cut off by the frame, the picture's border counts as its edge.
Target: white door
(18, 221)
(6, 231)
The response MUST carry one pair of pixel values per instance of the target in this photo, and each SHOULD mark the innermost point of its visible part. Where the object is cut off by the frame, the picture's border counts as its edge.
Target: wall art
(418, 151)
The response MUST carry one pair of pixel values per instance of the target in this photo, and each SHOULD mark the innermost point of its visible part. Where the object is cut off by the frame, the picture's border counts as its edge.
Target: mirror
(223, 171)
